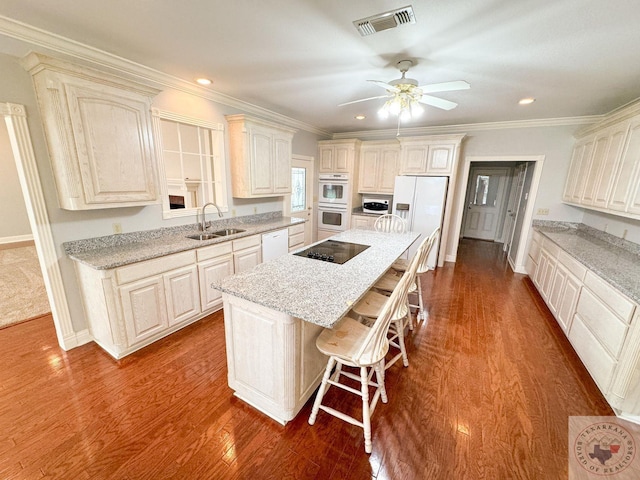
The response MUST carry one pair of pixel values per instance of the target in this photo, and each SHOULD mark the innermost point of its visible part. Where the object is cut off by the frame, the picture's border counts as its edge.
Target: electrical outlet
(117, 228)
(233, 212)
(543, 211)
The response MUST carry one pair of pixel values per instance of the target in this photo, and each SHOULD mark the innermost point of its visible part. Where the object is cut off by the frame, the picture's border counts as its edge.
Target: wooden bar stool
(353, 344)
(387, 283)
(373, 302)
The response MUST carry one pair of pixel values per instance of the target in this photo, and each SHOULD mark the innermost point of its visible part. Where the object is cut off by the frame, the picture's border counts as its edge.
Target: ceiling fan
(405, 94)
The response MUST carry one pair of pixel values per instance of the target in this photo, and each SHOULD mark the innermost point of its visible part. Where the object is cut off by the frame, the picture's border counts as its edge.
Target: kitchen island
(274, 313)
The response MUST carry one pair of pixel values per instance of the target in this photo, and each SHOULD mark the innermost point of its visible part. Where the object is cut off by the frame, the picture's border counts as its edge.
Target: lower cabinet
(134, 305)
(599, 322)
(296, 236)
(364, 222)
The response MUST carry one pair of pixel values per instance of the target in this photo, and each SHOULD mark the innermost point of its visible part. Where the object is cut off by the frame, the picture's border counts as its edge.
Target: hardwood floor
(491, 383)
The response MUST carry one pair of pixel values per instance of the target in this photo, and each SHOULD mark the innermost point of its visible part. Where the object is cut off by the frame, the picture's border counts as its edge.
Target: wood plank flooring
(491, 384)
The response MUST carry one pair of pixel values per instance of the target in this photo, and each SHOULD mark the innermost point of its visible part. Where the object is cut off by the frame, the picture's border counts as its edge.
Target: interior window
(191, 163)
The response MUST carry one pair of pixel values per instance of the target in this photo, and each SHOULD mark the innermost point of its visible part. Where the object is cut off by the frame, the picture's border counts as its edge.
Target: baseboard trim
(16, 241)
(77, 339)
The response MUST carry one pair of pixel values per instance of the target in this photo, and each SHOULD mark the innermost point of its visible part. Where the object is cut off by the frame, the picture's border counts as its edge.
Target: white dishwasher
(275, 244)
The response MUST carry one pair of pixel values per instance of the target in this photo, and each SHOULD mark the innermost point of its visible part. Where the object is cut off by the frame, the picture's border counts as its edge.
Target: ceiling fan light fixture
(416, 109)
(383, 113)
(405, 115)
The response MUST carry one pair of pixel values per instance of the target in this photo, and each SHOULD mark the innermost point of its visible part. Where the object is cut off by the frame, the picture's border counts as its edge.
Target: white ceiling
(301, 58)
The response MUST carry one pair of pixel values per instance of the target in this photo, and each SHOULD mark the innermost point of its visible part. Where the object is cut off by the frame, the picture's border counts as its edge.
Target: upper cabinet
(378, 166)
(260, 157)
(99, 134)
(604, 173)
(338, 156)
(432, 155)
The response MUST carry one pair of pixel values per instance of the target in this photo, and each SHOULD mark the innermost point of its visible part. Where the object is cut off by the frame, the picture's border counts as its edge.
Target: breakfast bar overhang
(274, 313)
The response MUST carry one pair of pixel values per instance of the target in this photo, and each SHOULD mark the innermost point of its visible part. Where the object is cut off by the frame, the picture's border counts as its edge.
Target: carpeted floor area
(22, 292)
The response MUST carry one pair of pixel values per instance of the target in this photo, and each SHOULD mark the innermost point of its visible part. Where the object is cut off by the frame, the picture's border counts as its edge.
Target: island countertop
(316, 291)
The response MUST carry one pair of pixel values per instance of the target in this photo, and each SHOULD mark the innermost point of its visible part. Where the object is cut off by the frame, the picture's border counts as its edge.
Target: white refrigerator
(420, 201)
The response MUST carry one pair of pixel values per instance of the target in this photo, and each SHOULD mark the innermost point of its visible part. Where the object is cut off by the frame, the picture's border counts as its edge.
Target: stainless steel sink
(203, 236)
(227, 231)
(217, 234)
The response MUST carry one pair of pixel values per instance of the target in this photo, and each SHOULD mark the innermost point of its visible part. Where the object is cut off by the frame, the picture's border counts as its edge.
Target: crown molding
(470, 127)
(129, 69)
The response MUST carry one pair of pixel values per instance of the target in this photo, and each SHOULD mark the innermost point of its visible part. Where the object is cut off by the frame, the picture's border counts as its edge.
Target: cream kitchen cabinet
(378, 167)
(247, 253)
(533, 256)
(338, 156)
(429, 155)
(296, 236)
(214, 262)
(260, 157)
(363, 222)
(604, 173)
(99, 135)
(565, 289)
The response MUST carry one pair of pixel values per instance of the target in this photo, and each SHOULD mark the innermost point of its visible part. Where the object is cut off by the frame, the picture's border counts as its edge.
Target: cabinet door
(414, 159)
(582, 171)
(369, 159)
(341, 163)
(572, 176)
(247, 259)
(546, 278)
(281, 165)
(624, 183)
(209, 271)
(440, 160)
(361, 222)
(261, 145)
(557, 287)
(568, 301)
(144, 309)
(610, 164)
(387, 171)
(600, 148)
(182, 294)
(112, 134)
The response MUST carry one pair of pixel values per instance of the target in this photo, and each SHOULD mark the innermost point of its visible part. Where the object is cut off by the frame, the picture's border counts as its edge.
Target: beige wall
(14, 221)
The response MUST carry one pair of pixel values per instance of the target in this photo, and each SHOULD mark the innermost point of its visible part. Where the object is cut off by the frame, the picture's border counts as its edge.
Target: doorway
(522, 228)
(300, 203)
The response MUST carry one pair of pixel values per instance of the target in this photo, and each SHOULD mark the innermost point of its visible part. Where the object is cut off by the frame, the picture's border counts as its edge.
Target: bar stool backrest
(390, 223)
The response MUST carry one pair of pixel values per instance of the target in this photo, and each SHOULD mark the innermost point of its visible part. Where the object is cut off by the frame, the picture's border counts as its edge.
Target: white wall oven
(333, 217)
(334, 189)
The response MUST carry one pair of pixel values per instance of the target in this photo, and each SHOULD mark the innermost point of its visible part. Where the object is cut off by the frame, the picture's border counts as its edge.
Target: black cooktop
(333, 251)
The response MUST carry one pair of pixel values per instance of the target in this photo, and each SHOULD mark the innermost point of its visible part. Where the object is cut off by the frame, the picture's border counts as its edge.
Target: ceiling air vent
(385, 21)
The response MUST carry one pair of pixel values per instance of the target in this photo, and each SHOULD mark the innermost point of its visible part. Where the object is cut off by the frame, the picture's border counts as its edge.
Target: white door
(300, 203)
(484, 201)
(517, 180)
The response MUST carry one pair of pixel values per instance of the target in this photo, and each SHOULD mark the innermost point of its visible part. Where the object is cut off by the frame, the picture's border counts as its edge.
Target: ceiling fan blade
(391, 88)
(364, 100)
(445, 87)
(438, 102)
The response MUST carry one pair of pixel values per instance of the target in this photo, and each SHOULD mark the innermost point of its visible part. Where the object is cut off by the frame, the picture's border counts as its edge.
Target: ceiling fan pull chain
(398, 132)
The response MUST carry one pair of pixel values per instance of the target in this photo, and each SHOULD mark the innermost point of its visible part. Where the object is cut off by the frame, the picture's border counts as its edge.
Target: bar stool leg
(324, 386)
(366, 416)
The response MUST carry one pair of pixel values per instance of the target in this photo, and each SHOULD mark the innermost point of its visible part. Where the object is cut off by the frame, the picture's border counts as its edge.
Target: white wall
(16, 87)
(555, 143)
(14, 221)
(619, 226)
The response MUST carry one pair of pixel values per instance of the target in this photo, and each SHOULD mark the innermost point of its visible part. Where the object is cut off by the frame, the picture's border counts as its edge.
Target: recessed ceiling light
(359, 117)
(527, 101)
(203, 81)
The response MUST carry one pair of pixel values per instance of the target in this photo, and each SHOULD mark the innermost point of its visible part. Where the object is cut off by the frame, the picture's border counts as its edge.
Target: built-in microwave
(379, 205)
(334, 188)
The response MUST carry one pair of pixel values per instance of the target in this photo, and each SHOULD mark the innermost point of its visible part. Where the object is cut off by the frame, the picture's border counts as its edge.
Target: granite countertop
(316, 291)
(613, 259)
(103, 253)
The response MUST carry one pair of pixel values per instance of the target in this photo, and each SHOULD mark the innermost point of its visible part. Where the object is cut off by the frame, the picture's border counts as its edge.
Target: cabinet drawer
(607, 328)
(148, 268)
(296, 240)
(621, 305)
(246, 242)
(212, 251)
(572, 265)
(598, 362)
(295, 229)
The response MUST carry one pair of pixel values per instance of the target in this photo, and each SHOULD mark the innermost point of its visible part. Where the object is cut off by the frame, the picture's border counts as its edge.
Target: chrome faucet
(203, 225)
